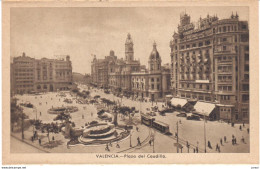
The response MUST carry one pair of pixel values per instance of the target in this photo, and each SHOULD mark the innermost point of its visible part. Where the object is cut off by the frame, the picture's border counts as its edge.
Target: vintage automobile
(193, 117)
(167, 110)
(182, 115)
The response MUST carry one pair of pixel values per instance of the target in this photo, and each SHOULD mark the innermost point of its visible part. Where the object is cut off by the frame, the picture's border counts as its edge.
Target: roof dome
(154, 54)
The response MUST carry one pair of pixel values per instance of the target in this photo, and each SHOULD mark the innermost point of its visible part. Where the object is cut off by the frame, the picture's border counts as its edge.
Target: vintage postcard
(130, 82)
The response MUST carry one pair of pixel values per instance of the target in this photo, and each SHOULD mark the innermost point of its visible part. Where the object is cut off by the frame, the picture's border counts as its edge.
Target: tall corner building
(210, 63)
(40, 75)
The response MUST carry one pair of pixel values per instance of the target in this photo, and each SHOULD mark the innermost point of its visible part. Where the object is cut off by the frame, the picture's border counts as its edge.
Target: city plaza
(189, 130)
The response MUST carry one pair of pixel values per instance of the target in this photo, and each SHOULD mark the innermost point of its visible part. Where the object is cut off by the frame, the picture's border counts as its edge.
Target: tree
(50, 128)
(17, 115)
(125, 110)
(62, 117)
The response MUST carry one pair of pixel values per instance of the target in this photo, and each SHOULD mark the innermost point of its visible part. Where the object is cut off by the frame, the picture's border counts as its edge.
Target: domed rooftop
(154, 54)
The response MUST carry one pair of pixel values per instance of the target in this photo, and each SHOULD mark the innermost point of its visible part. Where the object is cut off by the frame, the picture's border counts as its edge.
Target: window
(187, 46)
(219, 29)
(246, 76)
(214, 30)
(207, 42)
(244, 38)
(200, 86)
(224, 29)
(246, 48)
(224, 48)
(182, 47)
(152, 79)
(229, 88)
(194, 45)
(207, 87)
(152, 86)
(245, 87)
(228, 28)
(244, 27)
(224, 39)
(200, 44)
(158, 87)
(158, 79)
(246, 57)
(245, 97)
(247, 68)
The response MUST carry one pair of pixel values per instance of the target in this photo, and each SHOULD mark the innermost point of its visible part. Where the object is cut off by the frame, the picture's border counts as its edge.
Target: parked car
(182, 115)
(193, 117)
(167, 110)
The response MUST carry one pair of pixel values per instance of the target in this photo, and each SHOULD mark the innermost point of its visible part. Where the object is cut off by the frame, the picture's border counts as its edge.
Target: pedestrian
(247, 130)
(53, 138)
(150, 142)
(225, 139)
(235, 140)
(209, 145)
(197, 149)
(194, 151)
(221, 141)
(180, 121)
(240, 127)
(243, 139)
(217, 147)
(110, 143)
(32, 138)
(137, 129)
(107, 148)
(40, 141)
(138, 141)
(243, 124)
(233, 136)
(46, 102)
(117, 145)
(40, 113)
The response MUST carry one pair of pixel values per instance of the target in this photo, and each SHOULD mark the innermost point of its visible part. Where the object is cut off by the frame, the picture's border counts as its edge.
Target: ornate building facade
(129, 77)
(37, 75)
(210, 63)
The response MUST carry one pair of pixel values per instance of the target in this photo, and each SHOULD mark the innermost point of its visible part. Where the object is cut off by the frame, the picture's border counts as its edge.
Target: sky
(83, 31)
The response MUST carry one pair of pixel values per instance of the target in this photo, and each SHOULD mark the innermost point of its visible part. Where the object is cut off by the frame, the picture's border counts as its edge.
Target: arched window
(45, 87)
(39, 87)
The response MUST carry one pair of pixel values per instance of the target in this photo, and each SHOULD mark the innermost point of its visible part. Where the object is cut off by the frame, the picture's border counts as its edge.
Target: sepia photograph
(119, 81)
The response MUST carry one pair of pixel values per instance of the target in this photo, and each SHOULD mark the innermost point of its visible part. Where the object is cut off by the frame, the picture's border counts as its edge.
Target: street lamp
(205, 131)
(177, 138)
(153, 137)
(130, 139)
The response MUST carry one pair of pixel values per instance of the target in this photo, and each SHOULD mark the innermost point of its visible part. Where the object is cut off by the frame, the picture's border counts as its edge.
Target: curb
(45, 151)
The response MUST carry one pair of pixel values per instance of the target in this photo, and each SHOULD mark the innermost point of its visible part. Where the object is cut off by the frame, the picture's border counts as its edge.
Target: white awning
(178, 101)
(169, 96)
(204, 108)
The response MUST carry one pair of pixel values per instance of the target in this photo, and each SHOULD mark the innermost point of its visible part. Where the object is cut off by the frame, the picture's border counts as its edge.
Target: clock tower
(129, 48)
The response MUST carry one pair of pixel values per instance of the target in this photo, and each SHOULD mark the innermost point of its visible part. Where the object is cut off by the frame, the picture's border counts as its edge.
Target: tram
(156, 124)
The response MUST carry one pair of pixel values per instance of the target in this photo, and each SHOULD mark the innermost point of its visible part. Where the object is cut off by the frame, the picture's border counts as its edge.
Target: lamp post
(177, 138)
(130, 139)
(205, 131)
